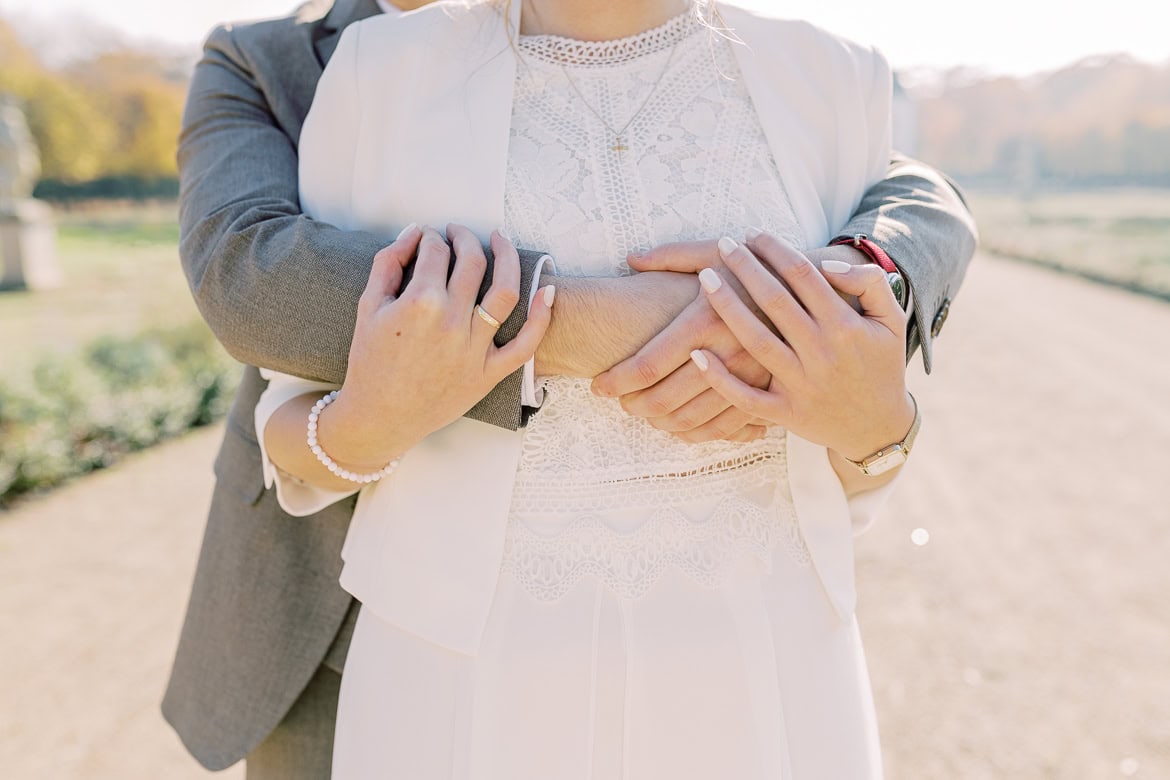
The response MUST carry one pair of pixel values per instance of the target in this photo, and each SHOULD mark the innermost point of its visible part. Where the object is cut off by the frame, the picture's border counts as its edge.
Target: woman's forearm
(883, 433)
(853, 481)
(285, 441)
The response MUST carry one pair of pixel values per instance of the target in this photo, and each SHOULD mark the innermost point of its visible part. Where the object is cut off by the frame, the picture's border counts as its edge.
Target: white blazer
(411, 124)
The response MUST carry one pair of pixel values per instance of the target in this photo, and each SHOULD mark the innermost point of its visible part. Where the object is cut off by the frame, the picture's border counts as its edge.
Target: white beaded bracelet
(328, 462)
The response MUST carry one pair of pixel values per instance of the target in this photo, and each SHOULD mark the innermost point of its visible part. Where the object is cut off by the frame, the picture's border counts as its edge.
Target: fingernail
(550, 293)
(835, 266)
(633, 257)
(751, 234)
(727, 246)
(710, 280)
(406, 230)
(700, 360)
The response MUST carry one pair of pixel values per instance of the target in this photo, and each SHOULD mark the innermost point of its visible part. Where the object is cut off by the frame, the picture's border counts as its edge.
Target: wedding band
(481, 312)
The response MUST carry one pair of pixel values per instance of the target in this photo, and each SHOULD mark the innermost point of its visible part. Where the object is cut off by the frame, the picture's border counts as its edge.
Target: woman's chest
(606, 162)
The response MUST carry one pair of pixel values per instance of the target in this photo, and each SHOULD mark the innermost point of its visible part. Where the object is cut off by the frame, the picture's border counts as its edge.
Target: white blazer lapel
(804, 84)
(424, 548)
(788, 105)
(820, 101)
(439, 129)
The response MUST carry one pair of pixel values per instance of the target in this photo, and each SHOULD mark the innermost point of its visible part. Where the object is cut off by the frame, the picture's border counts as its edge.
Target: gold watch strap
(905, 445)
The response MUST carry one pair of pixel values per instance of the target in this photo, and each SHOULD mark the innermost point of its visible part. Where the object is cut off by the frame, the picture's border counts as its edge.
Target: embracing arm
(277, 288)
(599, 322)
(420, 358)
(917, 215)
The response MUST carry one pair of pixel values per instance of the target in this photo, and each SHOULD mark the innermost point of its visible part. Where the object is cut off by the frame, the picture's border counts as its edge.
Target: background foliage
(113, 117)
(109, 121)
(1102, 121)
(76, 413)
(111, 362)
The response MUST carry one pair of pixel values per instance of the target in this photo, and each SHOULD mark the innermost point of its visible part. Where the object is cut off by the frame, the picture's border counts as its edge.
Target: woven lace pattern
(696, 166)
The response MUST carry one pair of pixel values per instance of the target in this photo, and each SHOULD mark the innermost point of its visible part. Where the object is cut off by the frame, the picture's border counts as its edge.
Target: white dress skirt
(756, 679)
(656, 615)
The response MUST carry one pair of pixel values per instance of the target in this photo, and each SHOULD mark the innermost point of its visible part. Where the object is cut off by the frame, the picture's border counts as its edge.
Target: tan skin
(641, 328)
(828, 351)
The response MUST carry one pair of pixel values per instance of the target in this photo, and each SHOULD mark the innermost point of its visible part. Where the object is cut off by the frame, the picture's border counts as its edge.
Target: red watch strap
(873, 251)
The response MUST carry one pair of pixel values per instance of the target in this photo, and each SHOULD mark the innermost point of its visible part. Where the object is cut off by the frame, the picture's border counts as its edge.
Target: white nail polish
(700, 360)
(710, 280)
(752, 233)
(727, 246)
(835, 266)
(550, 293)
(406, 230)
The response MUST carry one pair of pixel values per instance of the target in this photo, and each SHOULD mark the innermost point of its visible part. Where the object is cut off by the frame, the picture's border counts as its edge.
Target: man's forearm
(919, 218)
(277, 288)
(599, 322)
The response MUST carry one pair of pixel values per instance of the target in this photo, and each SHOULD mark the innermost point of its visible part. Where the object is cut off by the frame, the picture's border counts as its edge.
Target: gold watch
(893, 455)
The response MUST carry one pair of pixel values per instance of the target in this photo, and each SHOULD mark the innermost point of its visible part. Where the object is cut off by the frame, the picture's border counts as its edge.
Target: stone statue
(28, 245)
(20, 164)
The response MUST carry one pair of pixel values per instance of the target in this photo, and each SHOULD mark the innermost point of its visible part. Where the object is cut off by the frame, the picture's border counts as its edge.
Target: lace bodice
(597, 491)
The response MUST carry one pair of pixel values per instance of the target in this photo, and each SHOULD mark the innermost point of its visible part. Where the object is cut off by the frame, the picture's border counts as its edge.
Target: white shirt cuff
(296, 497)
(529, 394)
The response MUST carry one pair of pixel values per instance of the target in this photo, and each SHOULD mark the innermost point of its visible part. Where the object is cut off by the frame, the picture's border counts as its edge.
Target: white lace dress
(657, 615)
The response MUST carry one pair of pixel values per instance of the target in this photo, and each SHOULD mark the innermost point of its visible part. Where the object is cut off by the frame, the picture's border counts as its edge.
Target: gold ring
(481, 312)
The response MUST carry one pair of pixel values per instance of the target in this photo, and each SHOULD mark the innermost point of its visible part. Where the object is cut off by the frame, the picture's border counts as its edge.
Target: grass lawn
(1119, 235)
(122, 276)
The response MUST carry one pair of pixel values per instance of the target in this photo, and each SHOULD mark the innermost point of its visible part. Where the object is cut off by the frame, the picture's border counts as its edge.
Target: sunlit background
(1014, 598)
(999, 36)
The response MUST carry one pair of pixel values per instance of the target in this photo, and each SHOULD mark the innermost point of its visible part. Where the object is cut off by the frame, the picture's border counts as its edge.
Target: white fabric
(530, 396)
(700, 624)
(599, 493)
(755, 679)
(388, 8)
(296, 497)
(457, 74)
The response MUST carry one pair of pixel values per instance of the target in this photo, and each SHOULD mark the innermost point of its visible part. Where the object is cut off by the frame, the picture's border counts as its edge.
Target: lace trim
(570, 52)
(559, 494)
(630, 564)
(599, 493)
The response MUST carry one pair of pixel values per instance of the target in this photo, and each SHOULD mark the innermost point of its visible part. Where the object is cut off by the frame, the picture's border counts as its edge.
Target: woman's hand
(838, 376)
(420, 360)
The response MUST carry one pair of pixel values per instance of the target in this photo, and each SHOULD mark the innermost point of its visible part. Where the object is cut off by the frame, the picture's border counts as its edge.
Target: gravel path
(93, 584)
(1029, 638)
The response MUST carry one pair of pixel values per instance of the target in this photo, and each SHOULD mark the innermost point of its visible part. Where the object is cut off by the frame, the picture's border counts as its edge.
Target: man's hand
(660, 383)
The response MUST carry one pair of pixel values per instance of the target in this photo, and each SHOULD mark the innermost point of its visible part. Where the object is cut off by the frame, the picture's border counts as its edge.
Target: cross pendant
(618, 146)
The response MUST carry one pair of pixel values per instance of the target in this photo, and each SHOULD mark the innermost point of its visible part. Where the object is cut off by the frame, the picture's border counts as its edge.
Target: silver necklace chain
(618, 135)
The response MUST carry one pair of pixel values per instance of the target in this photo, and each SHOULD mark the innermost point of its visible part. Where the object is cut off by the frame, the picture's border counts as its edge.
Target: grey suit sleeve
(277, 288)
(918, 216)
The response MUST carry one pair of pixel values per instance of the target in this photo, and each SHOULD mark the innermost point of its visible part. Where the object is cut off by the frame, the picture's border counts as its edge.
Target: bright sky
(1007, 36)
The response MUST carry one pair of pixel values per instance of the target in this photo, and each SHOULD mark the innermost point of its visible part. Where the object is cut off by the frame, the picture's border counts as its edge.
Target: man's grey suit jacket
(266, 609)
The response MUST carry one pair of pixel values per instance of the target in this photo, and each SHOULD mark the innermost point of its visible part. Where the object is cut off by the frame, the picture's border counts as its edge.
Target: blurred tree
(115, 116)
(145, 107)
(1105, 120)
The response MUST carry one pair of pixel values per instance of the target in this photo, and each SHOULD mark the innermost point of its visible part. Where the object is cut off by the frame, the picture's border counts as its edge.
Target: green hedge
(79, 413)
(108, 188)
